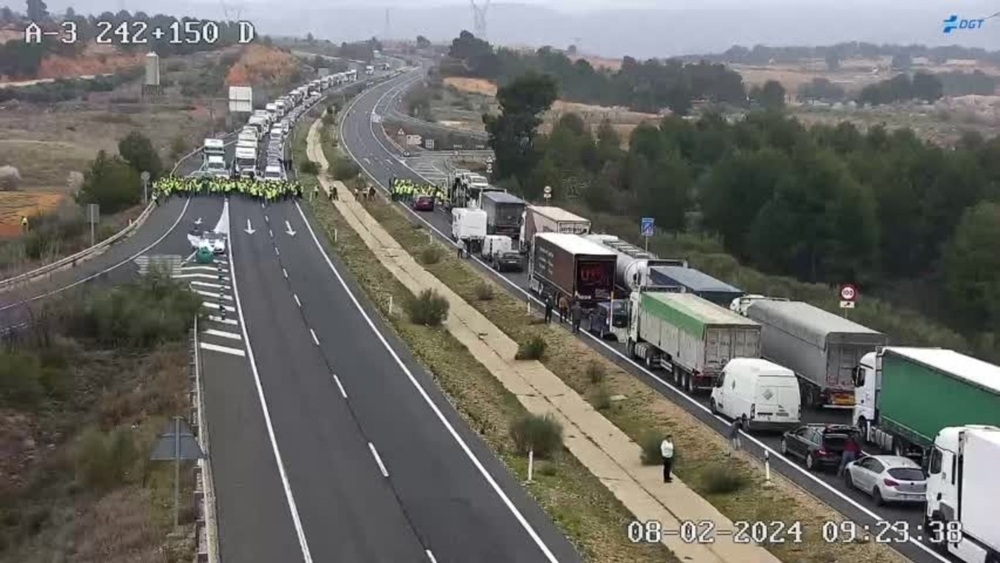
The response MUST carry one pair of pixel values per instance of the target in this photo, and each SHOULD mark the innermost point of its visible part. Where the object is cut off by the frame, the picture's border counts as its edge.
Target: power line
(479, 18)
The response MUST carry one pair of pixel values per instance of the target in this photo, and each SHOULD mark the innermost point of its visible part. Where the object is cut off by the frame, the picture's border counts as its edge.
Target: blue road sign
(648, 224)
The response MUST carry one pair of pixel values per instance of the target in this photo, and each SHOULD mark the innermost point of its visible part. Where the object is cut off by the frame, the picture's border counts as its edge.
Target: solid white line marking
(292, 507)
(222, 334)
(276, 251)
(223, 349)
(427, 399)
(297, 302)
(313, 332)
(216, 306)
(211, 294)
(336, 380)
(215, 319)
(211, 285)
(284, 272)
(378, 460)
(430, 556)
(774, 454)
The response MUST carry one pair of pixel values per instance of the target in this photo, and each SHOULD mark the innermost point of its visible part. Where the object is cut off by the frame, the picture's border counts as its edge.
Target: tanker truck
(632, 270)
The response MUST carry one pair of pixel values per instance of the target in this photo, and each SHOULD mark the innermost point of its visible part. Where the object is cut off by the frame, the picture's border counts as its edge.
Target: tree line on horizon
(905, 219)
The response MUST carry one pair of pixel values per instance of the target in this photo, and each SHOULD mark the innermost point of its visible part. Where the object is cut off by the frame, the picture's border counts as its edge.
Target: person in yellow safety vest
(24, 223)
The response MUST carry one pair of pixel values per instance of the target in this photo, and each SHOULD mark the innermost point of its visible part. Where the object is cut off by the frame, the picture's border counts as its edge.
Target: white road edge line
(430, 556)
(336, 380)
(297, 302)
(313, 333)
(427, 399)
(378, 460)
(292, 507)
(774, 454)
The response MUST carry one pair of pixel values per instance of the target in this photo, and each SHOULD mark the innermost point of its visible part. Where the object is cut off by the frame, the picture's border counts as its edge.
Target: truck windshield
(216, 165)
(245, 162)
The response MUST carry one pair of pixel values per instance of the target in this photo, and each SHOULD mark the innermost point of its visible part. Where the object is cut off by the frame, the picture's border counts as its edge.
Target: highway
(366, 143)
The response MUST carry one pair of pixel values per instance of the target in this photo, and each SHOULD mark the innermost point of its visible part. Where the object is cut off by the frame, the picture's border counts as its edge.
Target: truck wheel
(688, 383)
(649, 361)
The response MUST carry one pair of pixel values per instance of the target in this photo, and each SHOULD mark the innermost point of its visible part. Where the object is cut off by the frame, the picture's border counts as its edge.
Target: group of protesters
(406, 190)
(268, 190)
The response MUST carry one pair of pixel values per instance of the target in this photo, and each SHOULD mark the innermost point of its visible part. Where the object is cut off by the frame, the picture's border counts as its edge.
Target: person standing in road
(563, 309)
(549, 305)
(667, 452)
(851, 452)
(576, 315)
(734, 434)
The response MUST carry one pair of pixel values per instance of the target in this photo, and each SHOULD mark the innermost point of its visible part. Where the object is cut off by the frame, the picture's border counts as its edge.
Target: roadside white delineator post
(528, 303)
(390, 304)
(335, 235)
(767, 466)
(531, 464)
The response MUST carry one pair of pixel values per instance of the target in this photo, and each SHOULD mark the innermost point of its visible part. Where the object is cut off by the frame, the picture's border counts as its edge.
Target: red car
(423, 203)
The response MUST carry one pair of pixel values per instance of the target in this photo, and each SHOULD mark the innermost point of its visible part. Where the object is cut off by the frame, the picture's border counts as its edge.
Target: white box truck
(246, 162)
(963, 494)
(544, 219)
(213, 147)
(468, 225)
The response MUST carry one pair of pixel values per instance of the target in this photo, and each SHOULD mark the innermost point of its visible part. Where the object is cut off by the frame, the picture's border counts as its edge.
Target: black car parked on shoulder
(818, 445)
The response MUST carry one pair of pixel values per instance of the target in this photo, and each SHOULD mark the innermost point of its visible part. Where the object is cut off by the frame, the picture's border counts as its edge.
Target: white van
(764, 392)
(274, 173)
(277, 134)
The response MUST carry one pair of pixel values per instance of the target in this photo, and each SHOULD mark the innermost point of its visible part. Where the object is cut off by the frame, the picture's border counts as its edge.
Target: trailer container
(570, 265)
(696, 282)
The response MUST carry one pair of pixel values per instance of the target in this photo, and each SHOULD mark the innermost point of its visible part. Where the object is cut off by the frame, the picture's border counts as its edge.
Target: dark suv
(818, 445)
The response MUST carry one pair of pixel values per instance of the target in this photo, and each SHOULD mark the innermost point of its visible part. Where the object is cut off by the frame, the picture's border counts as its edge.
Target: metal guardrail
(206, 526)
(92, 250)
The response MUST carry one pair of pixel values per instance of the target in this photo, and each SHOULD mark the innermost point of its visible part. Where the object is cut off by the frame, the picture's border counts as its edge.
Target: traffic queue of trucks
(271, 123)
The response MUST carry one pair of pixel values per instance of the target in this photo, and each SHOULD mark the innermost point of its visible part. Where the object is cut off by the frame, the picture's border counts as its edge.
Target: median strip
(603, 448)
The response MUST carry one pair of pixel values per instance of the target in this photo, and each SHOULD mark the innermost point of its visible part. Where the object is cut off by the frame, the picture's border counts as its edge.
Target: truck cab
(214, 147)
(216, 166)
(274, 173)
(609, 320)
(962, 493)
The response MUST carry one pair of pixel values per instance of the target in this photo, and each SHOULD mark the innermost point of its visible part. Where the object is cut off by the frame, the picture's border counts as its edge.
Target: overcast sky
(641, 28)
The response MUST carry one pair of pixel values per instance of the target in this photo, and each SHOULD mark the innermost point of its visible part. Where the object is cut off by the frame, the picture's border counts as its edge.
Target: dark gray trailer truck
(503, 214)
(570, 265)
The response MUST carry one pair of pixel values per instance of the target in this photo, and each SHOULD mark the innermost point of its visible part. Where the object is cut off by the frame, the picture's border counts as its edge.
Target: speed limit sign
(848, 296)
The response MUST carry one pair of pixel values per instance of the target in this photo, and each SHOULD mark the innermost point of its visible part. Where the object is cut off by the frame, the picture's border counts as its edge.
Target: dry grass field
(14, 205)
(622, 119)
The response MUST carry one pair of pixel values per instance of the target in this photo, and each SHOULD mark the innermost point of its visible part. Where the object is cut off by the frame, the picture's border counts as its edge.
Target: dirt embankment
(258, 64)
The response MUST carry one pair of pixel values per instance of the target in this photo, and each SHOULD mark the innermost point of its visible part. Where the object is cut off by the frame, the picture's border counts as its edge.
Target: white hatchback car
(888, 478)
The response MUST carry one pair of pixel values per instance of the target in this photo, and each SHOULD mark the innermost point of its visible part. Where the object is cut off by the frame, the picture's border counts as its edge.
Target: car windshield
(907, 474)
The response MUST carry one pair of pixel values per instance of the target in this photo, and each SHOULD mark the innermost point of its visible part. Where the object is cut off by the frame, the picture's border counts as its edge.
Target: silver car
(888, 478)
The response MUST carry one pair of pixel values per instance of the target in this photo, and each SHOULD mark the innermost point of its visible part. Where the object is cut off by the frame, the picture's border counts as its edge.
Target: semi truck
(246, 162)
(962, 492)
(694, 281)
(689, 336)
(632, 271)
(543, 219)
(469, 226)
(563, 264)
(213, 147)
(820, 347)
(503, 213)
(905, 396)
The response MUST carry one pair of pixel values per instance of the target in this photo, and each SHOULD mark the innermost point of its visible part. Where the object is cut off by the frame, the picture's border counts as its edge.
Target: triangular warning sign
(401, 133)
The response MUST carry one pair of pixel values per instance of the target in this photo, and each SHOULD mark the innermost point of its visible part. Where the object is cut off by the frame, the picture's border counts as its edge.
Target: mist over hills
(639, 32)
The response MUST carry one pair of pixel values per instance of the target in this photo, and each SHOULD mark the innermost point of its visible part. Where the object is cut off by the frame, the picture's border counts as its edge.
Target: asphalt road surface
(379, 466)
(381, 161)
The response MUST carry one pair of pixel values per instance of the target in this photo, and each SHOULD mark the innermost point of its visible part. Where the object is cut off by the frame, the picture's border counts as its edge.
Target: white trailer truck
(962, 493)
(543, 219)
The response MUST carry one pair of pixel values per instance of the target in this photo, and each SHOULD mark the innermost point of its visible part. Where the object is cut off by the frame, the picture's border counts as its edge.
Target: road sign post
(145, 187)
(848, 297)
(93, 216)
(647, 227)
(177, 444)
(547, 194)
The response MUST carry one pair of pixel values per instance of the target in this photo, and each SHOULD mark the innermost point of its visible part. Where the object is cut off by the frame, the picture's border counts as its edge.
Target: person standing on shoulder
(851, 452)
(563, 309)
(549, 305)
(734, 434)
(576, 315)
(667, 452)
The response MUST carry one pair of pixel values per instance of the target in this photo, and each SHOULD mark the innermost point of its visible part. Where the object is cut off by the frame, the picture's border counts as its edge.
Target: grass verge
(579, 504)
(702, 454)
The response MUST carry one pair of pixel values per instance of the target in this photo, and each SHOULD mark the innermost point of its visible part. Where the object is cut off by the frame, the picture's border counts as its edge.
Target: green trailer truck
(905, 396)
(691, 337)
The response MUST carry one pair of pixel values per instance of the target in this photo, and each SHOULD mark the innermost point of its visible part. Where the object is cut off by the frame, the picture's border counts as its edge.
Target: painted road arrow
(289, 232)
(249, 229)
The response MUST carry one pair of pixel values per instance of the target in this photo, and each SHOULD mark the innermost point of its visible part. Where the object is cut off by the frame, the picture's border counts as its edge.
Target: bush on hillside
(309, 167)
(105, 461)
(143, 314)
(721, 480)
(430, 255)
(650, 441)
(428, 309)
(595, 372)
(484, 291)
(541, 434)
(344, 169)
(10, 179)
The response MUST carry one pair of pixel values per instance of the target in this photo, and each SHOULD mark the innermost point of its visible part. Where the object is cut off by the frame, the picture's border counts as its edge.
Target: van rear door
(776, 399)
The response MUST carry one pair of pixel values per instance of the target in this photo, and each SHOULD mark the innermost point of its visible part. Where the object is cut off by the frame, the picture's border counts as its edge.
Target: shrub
(546, 468)
(344, 169)
(600, 398)
(10, 178)
(104, 461)
(595, 372)
(484, 292)
(650, 441)
(430, 255)
(428, 309)
(309, 167)
(541, 434)
(533, 349)
(720, 480)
